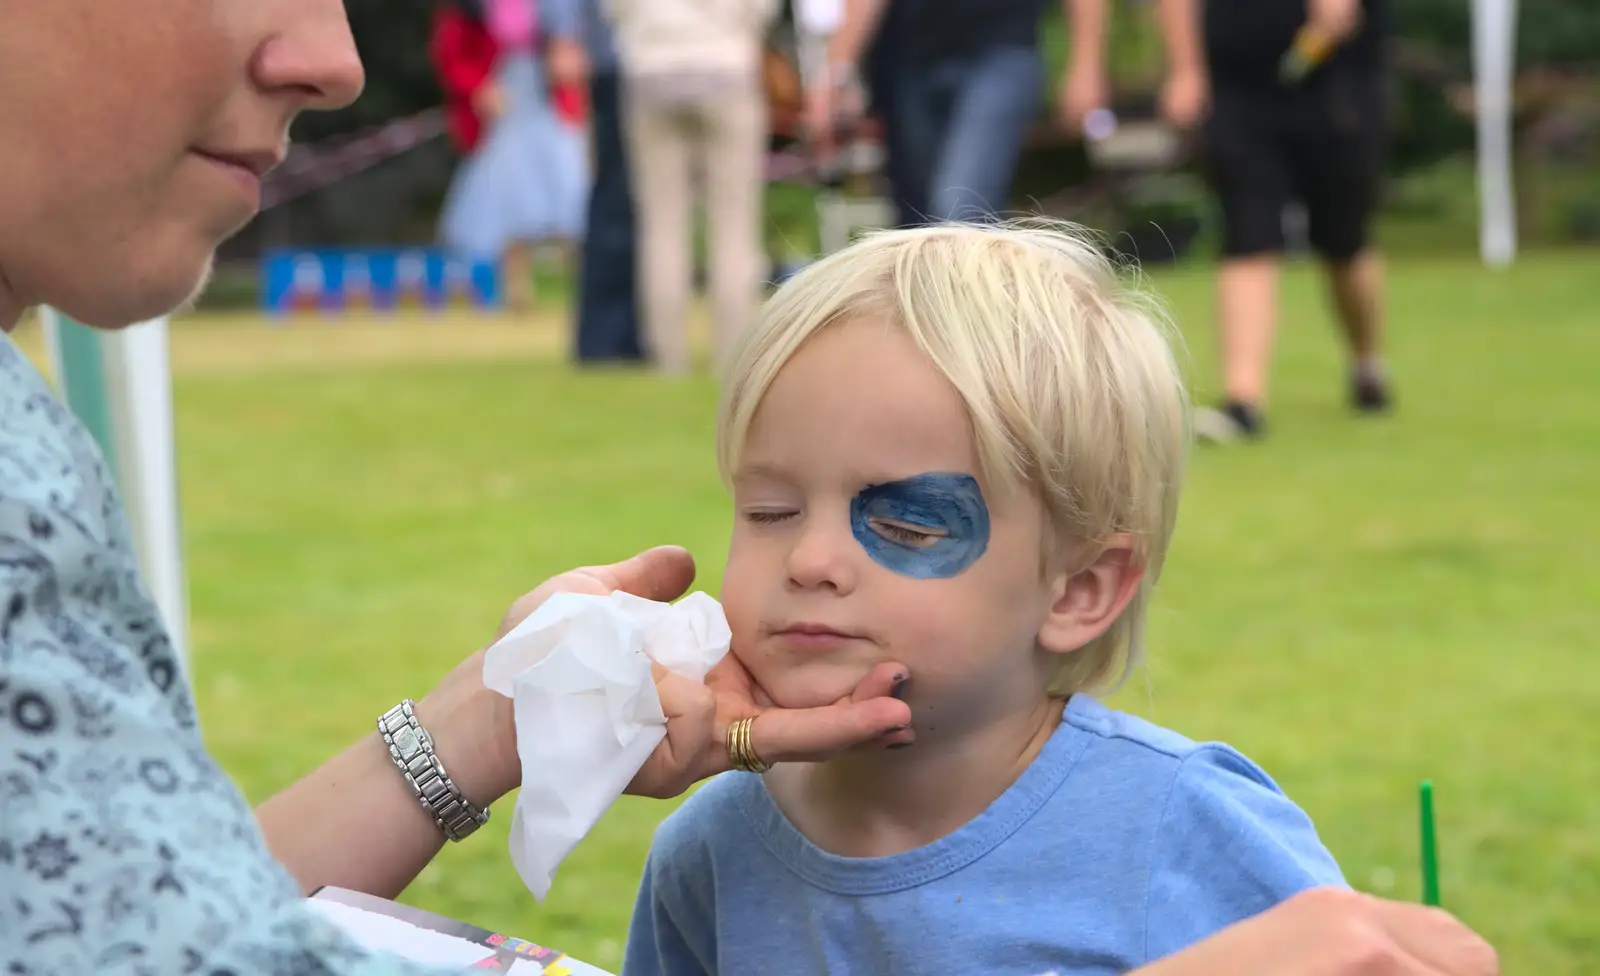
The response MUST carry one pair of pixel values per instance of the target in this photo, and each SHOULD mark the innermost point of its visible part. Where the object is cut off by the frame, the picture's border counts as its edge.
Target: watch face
(406, 742)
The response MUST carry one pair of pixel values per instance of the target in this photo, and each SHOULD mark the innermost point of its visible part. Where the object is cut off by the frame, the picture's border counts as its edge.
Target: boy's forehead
(858, 401)
(754, 473)
(810, 450)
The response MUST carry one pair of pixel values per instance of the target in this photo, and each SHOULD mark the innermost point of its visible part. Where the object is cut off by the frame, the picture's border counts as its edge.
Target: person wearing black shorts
(1270, 140)
(1269, 137)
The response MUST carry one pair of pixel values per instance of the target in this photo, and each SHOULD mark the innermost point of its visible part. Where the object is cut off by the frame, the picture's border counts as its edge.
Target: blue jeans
(608, 313)
(959, 127)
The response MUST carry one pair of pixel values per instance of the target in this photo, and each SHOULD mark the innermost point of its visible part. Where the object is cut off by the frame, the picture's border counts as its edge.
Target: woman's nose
(312, 57)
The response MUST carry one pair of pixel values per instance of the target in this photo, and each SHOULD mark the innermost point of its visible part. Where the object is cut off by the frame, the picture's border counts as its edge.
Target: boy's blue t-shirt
(1122, 843)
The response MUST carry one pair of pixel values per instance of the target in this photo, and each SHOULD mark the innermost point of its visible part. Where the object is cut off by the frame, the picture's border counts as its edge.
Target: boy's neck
(882, 802)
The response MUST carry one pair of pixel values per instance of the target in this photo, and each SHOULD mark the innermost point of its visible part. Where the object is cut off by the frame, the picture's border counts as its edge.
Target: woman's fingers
(1437, 940)
(699, 715)
(870, 713)
(688, 752)
(814, 734)
(1336, 932)
(661, 574)
(884, 681)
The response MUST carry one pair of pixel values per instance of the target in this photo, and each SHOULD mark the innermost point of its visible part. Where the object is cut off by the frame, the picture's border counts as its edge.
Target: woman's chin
(156, 291)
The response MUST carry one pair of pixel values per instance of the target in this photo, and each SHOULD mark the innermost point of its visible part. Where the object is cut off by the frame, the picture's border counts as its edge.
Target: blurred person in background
(608, 306)
(513, 92)
(1288, 98)
(958, 84)
(878, 72)
(694, 105)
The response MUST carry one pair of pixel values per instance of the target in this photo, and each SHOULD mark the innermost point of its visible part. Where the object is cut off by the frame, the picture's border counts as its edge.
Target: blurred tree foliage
(1559, 35)
(1549, 32)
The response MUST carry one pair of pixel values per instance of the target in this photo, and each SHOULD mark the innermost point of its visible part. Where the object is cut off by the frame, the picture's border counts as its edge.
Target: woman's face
(133, 134)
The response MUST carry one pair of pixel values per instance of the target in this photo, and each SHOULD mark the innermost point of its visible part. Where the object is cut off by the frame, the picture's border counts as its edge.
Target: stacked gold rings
(741, 754)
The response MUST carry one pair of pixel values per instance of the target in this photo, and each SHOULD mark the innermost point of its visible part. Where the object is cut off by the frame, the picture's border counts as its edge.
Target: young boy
(959, 449)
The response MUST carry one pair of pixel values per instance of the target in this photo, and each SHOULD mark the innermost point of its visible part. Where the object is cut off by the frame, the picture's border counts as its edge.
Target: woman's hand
(1185, 98)
(1331, 932)
(354, 822)
(474, 728)
(698, 717)
(1083, 90)
(475, 732)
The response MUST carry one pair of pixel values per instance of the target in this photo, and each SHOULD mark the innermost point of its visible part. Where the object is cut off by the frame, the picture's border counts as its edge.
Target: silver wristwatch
(411, 748)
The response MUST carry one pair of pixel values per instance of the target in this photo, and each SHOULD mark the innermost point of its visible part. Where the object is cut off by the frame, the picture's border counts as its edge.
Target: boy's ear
(1087, 600)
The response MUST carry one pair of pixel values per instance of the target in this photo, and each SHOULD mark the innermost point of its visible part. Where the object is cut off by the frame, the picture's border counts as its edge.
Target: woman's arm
(1084, 85)
(354, 823)
(855, 31)
(123, 845)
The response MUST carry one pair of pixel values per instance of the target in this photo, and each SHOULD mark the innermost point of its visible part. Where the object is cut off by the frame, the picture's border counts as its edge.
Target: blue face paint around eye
(949, 506)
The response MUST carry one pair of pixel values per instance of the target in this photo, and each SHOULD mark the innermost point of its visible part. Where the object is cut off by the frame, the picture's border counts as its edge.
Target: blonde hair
(1066, 372)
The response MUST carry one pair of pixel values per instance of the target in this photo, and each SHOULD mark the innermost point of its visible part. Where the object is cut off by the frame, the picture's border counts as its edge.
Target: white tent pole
(139, 382)
(1494, 44)
(120, 385)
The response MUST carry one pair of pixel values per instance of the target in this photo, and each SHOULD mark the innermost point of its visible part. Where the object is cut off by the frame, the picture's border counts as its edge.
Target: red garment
(571, 104)
(463, 55)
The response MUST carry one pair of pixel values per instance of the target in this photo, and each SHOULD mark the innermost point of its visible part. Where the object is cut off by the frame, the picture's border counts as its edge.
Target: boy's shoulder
(1125, 739)
(1181, 787)
(1221, 841)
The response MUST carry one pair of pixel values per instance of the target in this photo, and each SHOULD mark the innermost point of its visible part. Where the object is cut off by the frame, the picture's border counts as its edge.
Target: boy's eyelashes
(905, 533)
(766, 516)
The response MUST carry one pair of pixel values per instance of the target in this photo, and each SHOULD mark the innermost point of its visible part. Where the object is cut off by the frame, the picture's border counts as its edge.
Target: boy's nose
(823, 558)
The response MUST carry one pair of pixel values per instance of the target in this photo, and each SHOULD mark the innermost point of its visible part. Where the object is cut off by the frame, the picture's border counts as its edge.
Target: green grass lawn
(1356, 604)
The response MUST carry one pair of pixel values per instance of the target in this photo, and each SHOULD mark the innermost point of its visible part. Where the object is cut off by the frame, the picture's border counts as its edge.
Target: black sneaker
(1369, 393)
(1234, 420)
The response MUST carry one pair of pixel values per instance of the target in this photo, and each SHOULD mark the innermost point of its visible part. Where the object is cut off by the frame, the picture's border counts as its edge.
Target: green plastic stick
(1430, 851)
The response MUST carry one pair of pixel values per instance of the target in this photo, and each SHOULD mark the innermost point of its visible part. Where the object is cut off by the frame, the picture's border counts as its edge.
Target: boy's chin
(812, 685)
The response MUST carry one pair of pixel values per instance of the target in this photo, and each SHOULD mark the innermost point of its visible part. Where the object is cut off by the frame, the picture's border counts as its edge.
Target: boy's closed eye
(907, 533)
(768, 516)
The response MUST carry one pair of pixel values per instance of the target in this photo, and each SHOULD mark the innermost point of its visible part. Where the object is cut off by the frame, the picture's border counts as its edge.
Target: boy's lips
(813, 636)
(813, 629)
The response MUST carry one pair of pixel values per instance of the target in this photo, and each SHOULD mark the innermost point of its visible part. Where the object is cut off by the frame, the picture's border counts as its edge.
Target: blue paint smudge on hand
(932, 526)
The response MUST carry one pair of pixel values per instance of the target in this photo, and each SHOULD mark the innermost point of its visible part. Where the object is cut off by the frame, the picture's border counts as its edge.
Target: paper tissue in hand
(587, 713)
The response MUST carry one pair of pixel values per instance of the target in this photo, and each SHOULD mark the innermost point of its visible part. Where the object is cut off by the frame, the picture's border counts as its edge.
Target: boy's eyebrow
(762, 471)
(767, 471)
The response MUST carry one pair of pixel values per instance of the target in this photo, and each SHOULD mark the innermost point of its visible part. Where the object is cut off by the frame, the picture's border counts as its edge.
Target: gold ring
(741, 754)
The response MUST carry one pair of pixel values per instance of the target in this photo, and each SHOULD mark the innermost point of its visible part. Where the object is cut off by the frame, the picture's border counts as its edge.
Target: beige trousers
(722, 138)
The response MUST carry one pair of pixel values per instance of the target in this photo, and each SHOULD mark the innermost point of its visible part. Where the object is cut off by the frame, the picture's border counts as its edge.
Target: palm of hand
(698, 717)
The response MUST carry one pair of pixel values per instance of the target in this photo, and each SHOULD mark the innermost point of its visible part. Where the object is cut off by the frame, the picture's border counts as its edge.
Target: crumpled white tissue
(587, 713)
